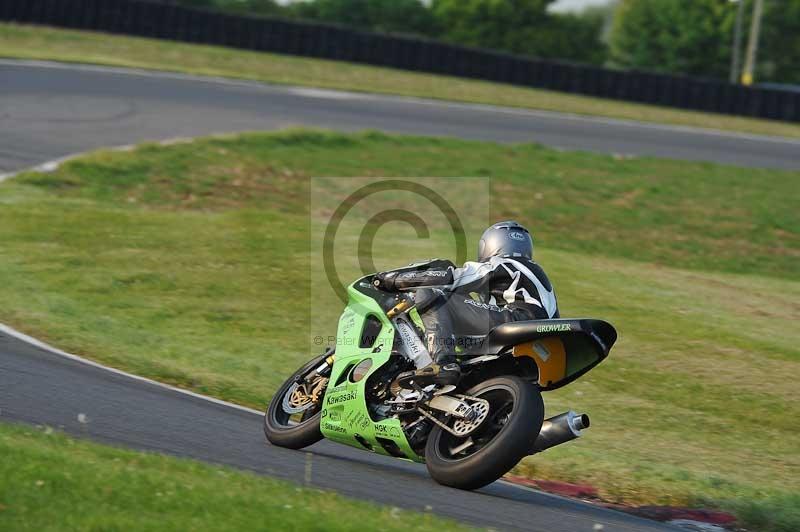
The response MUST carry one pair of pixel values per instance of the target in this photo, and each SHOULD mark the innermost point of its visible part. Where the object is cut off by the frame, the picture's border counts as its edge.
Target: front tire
(297, 430)
(503, 439)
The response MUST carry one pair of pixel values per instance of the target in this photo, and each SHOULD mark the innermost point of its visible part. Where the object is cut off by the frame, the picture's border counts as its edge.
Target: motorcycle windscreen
(563, 358)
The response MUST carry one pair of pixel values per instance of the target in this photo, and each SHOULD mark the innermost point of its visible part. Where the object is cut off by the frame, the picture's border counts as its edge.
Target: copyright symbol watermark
(366, 237)
(360, 226)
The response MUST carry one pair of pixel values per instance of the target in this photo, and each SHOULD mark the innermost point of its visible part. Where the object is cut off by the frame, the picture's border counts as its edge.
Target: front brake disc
(296, 400)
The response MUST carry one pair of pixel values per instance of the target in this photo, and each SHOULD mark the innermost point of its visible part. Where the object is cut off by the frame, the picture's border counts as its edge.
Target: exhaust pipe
(560, 429)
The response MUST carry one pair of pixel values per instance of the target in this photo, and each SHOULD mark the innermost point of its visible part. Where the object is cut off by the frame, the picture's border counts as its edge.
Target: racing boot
(440, 375)
(443, 372)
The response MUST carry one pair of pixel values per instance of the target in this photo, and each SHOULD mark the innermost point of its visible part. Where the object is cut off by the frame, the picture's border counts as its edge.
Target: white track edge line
(8, 331)
(53, 164)
(338, 93)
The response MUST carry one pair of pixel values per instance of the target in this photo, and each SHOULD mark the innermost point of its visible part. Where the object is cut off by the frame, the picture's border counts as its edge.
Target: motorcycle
(469, 434)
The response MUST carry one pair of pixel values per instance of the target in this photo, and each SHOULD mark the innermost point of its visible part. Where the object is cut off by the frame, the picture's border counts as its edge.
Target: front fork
(323, 370)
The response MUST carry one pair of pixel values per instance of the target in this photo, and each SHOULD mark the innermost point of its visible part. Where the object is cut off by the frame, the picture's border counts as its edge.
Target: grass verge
(36, 42)
(49, 481)
(189, 264)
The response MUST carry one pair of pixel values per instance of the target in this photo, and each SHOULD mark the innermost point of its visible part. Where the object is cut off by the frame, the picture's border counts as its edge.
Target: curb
(694, 518)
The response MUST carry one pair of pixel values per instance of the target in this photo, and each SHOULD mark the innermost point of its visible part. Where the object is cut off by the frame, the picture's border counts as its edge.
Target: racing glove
(395, 281)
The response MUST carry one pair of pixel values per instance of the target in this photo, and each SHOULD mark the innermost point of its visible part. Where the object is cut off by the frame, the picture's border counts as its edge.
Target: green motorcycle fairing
(345, 416)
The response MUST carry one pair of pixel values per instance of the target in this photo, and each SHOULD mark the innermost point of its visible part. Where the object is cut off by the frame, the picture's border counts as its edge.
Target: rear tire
(277, 427)
(503, 449)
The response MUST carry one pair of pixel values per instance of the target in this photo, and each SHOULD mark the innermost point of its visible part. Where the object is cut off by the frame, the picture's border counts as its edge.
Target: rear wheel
(292, 417)
(506, 435)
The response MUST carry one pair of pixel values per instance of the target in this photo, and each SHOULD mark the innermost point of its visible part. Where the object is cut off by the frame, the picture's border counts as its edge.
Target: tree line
(693, 37)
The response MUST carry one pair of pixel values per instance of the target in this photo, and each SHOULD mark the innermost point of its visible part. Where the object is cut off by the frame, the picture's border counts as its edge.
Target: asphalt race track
(43, 388)
(49, 111)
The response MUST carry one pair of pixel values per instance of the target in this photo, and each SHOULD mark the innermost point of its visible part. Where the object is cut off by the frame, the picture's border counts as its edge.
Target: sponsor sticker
(341, 397)
(333, 414)
(348, 322)
(560, 327)
(333, 428)
(357, 420)
(541, 350)
(384, 431)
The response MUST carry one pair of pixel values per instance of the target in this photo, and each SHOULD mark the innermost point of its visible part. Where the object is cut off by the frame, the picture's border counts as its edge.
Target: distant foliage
(518, 26)
(675, 36)
(573, 37)
(399, 16)
(504, 24)
(521, 26)
(779, 58)
(695, 37)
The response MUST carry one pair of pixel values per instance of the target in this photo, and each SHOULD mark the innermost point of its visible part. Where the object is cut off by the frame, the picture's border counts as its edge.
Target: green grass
(36, 42)
(190, 264)
(49, 481)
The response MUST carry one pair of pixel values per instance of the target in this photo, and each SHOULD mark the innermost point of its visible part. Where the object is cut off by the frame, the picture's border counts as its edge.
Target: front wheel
(293, 415)
(507, 434)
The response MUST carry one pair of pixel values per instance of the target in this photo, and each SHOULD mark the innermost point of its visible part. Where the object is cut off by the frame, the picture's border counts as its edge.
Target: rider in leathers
(458, 306)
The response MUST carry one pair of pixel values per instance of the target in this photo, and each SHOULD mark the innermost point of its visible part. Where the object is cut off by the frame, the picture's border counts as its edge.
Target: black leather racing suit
(459, 306)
